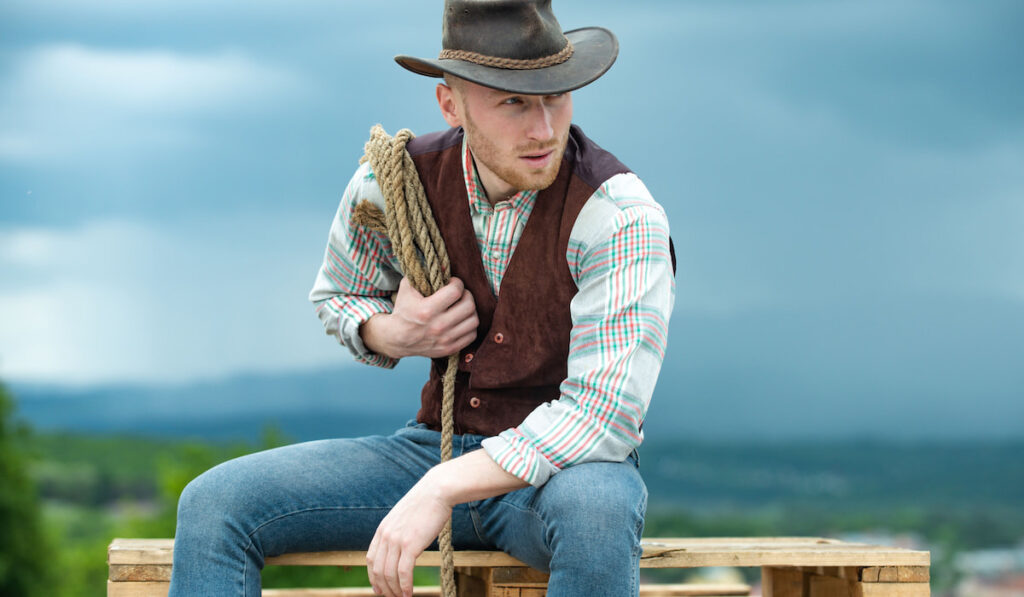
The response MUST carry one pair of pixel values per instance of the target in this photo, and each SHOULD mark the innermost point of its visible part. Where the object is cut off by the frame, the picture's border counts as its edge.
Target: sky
(844, 182)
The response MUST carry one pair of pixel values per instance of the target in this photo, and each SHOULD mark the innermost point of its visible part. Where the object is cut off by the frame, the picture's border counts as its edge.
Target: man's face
(517, 139)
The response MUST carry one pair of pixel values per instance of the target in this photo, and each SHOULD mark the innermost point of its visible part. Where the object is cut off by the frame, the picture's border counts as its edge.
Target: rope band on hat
(509, 63)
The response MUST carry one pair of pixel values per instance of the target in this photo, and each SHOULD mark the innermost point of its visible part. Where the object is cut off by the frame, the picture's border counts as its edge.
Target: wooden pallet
(790, 567)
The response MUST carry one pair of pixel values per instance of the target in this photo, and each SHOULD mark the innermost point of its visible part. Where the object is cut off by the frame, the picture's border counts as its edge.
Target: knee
(206, 502)
(598, 500)
(200, 499)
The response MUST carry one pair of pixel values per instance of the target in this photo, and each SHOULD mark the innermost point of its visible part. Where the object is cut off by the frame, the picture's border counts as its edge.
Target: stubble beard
(521, 179)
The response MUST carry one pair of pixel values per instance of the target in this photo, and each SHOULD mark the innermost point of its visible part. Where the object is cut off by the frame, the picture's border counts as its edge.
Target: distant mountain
(695, 400)
(343, 401)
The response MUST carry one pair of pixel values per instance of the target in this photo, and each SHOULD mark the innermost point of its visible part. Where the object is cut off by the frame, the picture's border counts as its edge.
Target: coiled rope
(419, 247)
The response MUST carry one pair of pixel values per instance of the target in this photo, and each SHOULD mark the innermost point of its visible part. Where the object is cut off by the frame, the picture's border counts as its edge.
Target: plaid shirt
(618, 256)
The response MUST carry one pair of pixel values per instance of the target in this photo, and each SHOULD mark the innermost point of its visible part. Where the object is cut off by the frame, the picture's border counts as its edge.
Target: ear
(449, 105)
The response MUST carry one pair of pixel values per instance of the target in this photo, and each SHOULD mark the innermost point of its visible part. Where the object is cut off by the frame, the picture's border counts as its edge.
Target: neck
(495, 187)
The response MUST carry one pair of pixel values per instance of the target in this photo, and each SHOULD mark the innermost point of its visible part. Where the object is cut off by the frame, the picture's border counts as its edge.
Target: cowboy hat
(516, 46)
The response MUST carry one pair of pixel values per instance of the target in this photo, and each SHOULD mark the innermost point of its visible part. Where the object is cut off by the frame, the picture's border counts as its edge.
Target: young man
(558, 307)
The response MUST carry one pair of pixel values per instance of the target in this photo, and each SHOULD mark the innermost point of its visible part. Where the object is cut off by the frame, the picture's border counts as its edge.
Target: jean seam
(245, 568)
(304, 510)
(638, 548)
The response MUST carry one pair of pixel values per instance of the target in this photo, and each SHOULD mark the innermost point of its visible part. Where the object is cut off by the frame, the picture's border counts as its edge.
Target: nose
(540, 128)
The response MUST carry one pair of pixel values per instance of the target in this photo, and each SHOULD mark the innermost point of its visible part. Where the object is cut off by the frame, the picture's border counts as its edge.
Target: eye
(512, 101)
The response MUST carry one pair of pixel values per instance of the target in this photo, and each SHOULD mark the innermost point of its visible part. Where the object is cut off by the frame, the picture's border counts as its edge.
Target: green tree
(23, 549)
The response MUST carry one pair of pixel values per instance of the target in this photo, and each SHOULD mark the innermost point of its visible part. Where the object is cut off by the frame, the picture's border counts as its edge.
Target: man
(558, 308)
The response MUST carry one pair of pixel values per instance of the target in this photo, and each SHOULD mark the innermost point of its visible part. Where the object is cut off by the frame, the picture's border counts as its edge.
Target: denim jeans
(583, 526)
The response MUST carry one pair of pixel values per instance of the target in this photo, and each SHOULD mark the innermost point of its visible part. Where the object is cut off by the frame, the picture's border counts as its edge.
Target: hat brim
(594, 52)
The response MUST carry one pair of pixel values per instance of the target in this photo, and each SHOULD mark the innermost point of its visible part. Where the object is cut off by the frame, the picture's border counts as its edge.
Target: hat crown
(515, 29)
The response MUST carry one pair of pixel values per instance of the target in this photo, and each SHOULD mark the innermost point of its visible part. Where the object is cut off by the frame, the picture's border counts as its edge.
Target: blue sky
(844, 182)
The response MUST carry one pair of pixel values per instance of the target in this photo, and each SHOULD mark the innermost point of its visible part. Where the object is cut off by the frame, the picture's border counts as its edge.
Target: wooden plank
(660, 553)
(532, 593)
(913, 574)
(892, 589)
(137, 589)
(469, 582)
(887, 574)
(646, 590)
(828, 586)
(155, 589)
(683, 553)
(344, 592)
(783, 582)
(139, 572)
(517, 576)
(896, 574)
(694, 590)
(140, 551)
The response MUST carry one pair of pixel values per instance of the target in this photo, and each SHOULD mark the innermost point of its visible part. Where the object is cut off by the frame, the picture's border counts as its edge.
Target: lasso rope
(417, 242)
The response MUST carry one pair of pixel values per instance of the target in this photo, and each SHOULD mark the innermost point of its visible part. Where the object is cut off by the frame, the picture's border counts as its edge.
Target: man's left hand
(417, 519)
(412, 525)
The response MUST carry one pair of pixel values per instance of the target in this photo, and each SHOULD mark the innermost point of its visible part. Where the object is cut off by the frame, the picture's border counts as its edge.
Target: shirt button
(474, 402)
(468, 357)
(499, 338)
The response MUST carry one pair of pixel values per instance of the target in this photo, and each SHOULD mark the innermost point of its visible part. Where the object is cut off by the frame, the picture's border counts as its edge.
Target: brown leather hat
(517, 46)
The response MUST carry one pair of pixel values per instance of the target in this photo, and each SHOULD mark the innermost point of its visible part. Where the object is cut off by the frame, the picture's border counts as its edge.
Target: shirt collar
(521, 202)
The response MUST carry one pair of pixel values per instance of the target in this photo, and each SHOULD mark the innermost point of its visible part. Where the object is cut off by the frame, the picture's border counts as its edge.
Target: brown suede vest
(519, 357)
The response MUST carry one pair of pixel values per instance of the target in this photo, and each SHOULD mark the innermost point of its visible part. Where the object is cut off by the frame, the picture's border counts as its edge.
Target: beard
(505, 163)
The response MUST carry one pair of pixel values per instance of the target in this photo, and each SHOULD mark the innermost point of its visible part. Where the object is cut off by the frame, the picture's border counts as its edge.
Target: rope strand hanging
(409, 223)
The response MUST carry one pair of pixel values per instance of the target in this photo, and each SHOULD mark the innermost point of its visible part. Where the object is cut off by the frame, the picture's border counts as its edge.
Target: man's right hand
(434, 326)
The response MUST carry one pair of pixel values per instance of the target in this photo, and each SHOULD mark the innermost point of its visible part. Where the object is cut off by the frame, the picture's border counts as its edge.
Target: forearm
(470, 477)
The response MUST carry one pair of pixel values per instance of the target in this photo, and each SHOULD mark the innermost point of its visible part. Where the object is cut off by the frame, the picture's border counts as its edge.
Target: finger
(405, 569)
(454, 347)
(459, 333)
(391, 571)
(457, 313)
(447, 295)
(465, 304)
(405, 288)
(372, 562)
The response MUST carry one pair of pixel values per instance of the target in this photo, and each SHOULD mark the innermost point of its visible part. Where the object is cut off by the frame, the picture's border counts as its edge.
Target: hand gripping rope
(416, 240)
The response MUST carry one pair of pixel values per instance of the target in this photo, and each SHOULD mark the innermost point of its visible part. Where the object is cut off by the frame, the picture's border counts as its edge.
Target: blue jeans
(583, 526)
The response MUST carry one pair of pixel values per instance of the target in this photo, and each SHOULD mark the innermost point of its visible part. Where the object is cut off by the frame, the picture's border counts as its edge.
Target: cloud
(67, 100)
(120, 300)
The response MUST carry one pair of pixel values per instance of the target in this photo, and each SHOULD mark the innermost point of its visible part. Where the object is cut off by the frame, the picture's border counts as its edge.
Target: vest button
(468, 357)
(499, 338)
(474, 402)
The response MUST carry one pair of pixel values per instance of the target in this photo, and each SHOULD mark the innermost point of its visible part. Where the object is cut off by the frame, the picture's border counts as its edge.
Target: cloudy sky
(844, 181)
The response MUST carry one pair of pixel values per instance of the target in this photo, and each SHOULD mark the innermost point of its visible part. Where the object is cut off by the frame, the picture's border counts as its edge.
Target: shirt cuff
(351, 319)
(517, 456)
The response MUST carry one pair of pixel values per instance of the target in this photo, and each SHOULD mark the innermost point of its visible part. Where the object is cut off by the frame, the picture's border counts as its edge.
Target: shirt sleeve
(619, 256)
(359, 272)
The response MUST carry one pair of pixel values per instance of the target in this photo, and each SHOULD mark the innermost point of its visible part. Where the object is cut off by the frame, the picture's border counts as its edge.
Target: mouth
(539, 159)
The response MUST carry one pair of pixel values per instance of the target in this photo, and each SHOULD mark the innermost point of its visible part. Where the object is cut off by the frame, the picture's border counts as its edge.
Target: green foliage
(953, 497)
(23, 548)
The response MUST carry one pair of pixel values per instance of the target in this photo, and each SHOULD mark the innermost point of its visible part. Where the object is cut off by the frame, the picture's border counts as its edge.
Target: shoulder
(621, 201)
(617, 190)
(434, 142)
(591, 163)
(363, 185)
